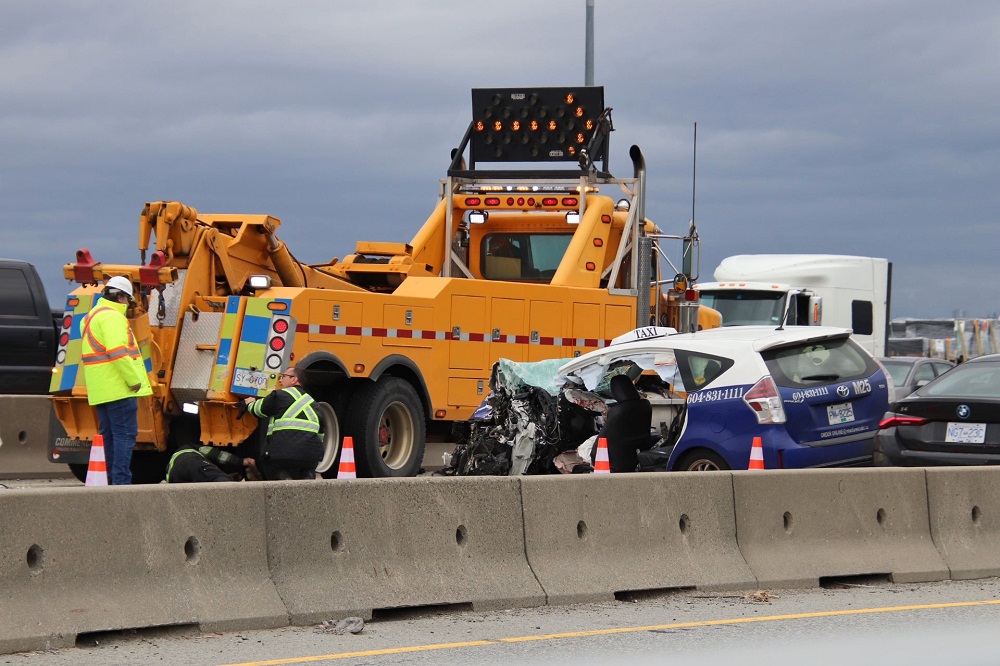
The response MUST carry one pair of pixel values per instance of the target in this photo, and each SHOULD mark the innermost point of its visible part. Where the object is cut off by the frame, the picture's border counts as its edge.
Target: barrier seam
(267, 554)
(736, 529)
(930, 525)
(524, 541)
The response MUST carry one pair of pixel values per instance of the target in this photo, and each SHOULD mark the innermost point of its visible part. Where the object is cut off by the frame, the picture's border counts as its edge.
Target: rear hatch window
(831, 390)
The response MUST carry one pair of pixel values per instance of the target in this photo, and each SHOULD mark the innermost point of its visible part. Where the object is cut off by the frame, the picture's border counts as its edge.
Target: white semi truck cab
(804, 290)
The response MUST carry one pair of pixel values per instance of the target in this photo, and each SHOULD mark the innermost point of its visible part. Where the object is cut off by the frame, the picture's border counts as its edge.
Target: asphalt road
(869, 622)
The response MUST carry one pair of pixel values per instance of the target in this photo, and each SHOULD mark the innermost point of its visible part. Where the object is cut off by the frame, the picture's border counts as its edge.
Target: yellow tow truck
(527, 261)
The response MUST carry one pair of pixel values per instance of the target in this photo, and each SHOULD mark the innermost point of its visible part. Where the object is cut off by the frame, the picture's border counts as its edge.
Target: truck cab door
(804, 309)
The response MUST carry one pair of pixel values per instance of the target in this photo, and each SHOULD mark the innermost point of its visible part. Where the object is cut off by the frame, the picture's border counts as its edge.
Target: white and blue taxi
(813, 395)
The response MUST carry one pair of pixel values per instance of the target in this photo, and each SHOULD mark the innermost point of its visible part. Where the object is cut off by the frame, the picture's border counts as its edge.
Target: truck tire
(330, 425)
(387, 424)
(80, 472)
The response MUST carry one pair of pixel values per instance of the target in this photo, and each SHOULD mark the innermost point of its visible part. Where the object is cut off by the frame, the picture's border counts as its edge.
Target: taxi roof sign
(644, 333)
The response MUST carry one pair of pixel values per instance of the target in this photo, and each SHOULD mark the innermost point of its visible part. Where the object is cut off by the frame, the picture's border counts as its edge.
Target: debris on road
(349, 625)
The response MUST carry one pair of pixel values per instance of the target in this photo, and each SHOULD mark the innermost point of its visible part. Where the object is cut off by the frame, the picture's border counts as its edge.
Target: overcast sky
(857, 126)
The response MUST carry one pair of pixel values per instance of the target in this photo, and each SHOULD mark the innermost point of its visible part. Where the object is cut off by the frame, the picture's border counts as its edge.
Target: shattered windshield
(540, 374)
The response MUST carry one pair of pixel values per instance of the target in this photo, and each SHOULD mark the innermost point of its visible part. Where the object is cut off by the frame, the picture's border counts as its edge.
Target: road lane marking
(365, 653)
(616, 630)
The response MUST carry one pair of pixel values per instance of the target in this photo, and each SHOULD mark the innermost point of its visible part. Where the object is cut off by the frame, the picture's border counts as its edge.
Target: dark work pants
(119, 426)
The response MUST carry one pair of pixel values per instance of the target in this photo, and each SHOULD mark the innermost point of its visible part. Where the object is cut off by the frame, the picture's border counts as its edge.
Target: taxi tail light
(765, 402)
(889, 384)
(896, 420)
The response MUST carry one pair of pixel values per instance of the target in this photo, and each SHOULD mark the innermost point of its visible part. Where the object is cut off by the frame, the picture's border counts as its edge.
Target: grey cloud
(866, 127)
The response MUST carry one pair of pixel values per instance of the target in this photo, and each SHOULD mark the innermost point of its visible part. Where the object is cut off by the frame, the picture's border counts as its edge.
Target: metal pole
(687, 249)
(588, 75)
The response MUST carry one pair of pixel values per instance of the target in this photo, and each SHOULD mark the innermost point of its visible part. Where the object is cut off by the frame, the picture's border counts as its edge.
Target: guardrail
(259, 555)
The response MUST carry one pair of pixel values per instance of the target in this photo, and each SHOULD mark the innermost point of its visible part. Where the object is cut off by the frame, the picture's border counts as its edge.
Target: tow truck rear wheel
(387, 424)
(330, 428)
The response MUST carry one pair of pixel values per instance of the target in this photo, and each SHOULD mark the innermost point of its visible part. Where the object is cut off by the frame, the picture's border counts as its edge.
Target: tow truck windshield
(523, 256)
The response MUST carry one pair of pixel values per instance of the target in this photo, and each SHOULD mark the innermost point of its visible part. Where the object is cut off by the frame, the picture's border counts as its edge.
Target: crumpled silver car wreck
(536, 421)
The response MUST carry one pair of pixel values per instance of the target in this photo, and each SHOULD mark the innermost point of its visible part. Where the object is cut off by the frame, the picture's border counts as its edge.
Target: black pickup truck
(28, 330)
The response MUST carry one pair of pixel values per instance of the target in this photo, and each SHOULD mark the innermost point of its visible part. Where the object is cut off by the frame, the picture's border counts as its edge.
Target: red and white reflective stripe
(410, 334)
(102, 354)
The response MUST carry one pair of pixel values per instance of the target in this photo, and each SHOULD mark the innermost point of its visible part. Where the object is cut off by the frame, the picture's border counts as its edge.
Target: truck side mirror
(815, 310)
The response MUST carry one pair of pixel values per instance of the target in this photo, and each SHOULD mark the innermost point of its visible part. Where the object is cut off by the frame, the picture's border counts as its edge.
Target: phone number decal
(714, 395)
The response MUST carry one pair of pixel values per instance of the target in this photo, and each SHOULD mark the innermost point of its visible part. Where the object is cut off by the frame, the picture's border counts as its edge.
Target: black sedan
(953, 420)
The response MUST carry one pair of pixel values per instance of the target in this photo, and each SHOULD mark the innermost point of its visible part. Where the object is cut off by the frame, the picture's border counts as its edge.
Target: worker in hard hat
(115, 375)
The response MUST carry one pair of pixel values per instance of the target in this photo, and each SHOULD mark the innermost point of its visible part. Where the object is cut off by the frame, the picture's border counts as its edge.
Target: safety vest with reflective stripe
(111, 359)
(300, 416)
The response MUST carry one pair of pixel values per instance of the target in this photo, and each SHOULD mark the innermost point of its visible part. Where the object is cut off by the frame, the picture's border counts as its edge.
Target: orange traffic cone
(756, 454)
(97, 469)
(347, 469)
(601, 464)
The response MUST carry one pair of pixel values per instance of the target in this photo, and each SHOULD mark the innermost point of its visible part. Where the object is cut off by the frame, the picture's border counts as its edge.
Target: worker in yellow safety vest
(294, 446)
(115, 376)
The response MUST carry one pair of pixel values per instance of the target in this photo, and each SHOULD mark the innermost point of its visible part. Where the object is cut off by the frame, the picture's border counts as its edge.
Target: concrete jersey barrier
(79, 560)
(965, 519)
(589, 538)
(339, 548)
(797, 527)
(258, 555)
(27, 425)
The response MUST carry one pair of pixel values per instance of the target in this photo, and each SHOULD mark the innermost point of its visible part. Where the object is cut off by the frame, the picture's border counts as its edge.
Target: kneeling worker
(294, 446)
(205, 463)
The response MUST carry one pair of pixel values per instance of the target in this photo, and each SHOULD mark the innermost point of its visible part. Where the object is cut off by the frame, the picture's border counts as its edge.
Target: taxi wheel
(702, 460)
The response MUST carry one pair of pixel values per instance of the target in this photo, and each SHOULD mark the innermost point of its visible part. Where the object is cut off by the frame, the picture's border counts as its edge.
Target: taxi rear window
(815, 363)
(699, 370)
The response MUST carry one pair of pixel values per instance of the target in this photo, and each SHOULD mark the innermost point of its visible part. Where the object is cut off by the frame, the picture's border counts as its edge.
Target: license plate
(842, 413)
(966, 433)
(250, 379)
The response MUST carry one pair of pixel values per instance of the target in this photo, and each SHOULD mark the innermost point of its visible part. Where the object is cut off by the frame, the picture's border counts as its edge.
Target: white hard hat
(121, 284)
